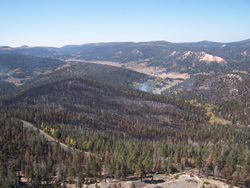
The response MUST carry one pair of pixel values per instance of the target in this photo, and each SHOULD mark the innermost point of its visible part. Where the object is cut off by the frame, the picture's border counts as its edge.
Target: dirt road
(47, 137)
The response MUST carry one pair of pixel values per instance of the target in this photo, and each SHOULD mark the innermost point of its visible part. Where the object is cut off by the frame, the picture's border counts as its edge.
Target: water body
(152, 85)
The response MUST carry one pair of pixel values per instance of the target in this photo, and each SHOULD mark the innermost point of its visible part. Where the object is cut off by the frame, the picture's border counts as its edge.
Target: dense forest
(27, 159)
(120, 131)
(25, 154)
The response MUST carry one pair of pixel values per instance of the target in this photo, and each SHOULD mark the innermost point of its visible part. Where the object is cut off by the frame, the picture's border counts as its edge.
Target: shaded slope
(107, 109)
(7, 88)
(102, 73)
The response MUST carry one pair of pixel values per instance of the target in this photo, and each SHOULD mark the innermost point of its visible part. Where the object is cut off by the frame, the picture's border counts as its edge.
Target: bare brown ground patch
(142, 68)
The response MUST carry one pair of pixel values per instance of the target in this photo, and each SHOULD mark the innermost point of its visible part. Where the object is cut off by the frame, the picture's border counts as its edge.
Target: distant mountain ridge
(193, 57)
(243, 43)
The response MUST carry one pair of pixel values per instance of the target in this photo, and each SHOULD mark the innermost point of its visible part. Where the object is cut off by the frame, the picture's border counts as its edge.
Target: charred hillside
(104, 108)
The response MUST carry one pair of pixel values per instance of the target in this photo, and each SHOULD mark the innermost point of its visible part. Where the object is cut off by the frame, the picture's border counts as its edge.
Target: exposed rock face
(211, 58)
(198, 56)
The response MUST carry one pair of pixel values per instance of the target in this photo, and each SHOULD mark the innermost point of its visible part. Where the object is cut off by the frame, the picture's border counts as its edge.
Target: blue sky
(62, 22)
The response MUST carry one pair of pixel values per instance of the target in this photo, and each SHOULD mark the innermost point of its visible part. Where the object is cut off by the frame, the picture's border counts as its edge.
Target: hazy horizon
(24, 45)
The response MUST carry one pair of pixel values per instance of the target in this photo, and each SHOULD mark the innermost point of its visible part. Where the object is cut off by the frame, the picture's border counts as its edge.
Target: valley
(167, 79)
(124, 113)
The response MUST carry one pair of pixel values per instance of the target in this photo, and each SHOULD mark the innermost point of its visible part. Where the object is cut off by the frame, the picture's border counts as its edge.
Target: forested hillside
(227, 95)
(28, 159)
(16, 69)
(22, 66)
(7, 88)
(129, 132)
(109, 106)
(102, 73)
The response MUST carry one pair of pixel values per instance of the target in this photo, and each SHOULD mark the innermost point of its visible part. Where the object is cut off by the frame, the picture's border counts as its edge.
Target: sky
(64, 22)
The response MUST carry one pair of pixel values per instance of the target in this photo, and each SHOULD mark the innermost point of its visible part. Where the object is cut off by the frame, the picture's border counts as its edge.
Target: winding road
(47, 137)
